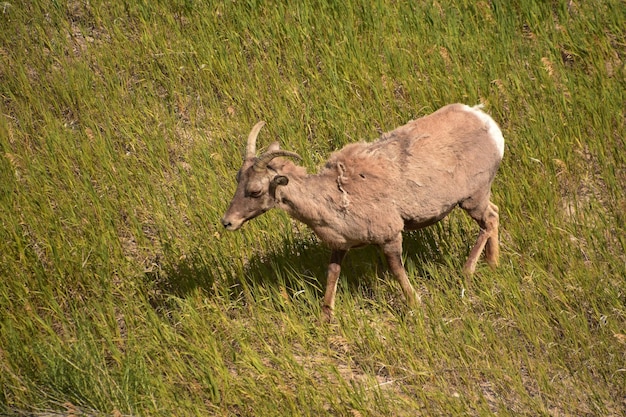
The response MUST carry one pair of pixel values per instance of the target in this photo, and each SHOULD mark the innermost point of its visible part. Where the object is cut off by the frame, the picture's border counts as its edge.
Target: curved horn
(262, 161)
(251, 145)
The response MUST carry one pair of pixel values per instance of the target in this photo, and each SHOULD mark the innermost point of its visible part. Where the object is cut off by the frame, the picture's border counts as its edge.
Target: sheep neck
(304, 198)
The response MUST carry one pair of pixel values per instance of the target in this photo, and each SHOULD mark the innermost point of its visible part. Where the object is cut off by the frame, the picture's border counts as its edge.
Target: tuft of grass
(122, 126)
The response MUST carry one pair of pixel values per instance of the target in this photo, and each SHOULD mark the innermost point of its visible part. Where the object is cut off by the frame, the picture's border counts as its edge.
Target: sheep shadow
(291, 265)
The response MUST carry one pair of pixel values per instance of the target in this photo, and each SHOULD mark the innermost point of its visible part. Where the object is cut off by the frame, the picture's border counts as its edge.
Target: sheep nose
(226, 223)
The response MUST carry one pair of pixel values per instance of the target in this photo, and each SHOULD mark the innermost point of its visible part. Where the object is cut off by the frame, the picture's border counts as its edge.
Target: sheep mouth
(231, 225)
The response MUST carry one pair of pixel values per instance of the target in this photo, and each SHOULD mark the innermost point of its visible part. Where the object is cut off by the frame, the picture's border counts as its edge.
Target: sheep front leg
(393, 253)
(332, 276)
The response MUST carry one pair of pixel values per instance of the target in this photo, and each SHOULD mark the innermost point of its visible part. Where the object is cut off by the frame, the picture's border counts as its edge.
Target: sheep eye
(255, 194)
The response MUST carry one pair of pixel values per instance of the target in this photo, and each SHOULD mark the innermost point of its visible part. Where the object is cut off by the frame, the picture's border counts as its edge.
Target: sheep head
(256, 183)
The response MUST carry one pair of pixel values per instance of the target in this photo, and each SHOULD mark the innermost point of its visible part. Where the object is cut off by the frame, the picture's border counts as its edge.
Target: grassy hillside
(123, 123)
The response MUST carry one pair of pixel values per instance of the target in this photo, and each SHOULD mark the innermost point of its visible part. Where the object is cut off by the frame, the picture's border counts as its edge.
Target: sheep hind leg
(393, 253)
(332, 277)
(492, 248)
(488, 220)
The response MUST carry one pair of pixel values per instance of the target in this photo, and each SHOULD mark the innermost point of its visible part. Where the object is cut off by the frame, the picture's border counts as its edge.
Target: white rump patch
(493, 130)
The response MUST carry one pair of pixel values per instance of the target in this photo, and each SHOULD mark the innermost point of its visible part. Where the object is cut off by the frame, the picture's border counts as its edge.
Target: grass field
(123, 124)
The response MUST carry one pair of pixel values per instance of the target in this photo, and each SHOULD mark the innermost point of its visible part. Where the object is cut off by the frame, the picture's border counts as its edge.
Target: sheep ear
(275, 182)
(280, 180)
(273, 147)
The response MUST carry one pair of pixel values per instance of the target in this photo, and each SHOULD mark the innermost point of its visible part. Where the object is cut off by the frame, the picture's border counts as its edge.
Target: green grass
(121, 129)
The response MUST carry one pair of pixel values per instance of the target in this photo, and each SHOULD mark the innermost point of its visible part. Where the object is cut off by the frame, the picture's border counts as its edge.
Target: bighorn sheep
(367, 193)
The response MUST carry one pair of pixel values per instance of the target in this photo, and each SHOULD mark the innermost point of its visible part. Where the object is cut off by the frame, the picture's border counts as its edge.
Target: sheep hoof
(327, 315)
